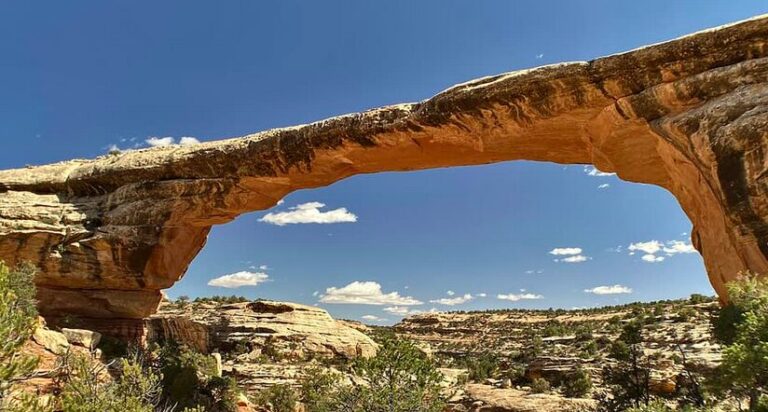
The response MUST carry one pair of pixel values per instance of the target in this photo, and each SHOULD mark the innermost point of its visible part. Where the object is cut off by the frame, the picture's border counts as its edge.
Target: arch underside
(690, 115)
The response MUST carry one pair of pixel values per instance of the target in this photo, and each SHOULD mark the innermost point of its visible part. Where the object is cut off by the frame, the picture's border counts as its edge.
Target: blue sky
(78, 77)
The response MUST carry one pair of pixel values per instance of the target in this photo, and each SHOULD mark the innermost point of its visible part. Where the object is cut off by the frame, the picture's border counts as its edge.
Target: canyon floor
(503, 360)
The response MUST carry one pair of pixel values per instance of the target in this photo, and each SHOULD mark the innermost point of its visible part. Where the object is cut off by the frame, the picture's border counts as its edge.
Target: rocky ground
(519, 346)
(489, 359)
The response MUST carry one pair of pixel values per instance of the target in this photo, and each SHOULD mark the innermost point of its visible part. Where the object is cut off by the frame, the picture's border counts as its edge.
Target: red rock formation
(688, 115)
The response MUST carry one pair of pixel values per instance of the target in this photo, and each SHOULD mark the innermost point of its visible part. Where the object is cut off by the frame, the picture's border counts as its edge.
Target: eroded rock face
(260, 329)
(688, 115)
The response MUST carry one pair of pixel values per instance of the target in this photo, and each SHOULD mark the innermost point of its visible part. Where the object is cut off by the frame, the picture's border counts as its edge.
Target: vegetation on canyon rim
(399, 378)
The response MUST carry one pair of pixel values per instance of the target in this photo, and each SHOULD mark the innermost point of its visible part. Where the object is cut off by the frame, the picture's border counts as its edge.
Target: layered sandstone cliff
(262, 328)
(688, 115)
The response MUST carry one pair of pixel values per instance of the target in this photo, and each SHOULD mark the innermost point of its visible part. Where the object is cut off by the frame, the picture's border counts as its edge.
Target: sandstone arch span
(690, 115)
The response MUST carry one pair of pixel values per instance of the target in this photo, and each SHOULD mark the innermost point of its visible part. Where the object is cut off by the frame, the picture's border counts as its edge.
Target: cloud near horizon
(512, 297)
(366, 293)
(609, 290)
(239, 279)
(171, 141)
(309, 213)
(458, 300)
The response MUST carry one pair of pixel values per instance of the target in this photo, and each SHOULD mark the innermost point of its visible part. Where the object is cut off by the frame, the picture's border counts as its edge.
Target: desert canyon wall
(689, 115)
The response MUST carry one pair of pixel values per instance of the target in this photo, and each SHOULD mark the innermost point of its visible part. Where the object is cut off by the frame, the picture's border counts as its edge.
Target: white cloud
(592, 171)
(309, 213)
(539, 56)
(653, 258)
(316, 293)
(650, 247)
(674, 247)
(574, 259)
(453, 301)
(609, 290)
(559, 251)
(482, 295)
(604, 186)
(187, 141)
(520, 296)
(397, 310)
(160, 141)
(366, 293)
(450, 293)
(373, 318)
(239, 279)
(170, 141)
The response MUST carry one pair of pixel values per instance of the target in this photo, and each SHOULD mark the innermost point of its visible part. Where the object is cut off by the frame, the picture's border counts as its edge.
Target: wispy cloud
(239, 279)
(653, 258)
(366, 293)
(372, 318)
(592, 171)
(574, 259)
(604, 186)
(309, 213)
(609, 290)
(514, 297)
(560, 251)
(453, 301)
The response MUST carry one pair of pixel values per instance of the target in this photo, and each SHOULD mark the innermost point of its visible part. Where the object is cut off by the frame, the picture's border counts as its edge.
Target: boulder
(51, 340)
(85, 338)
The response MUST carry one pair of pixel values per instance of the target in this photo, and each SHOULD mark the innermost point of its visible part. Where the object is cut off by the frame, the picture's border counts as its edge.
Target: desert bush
(317, 389)
(87, 386)
(619, 350)
(540, 385)
(400, 378)
(17, 323)
(189, 379)
(577, 384)
(480, 366)
(743, 373)
(278, 398)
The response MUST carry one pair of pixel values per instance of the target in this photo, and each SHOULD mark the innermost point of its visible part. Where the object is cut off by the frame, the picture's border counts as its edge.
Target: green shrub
(279, 398)
(540, 385)
(743, 373)
(577, 384)
(317, 389)
(87, 387)
(619, 350)
(17, 323)
(400, 378)
(189, 380)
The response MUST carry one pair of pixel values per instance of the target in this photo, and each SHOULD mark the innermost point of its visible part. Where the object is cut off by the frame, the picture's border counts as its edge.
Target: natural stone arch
(688, 115)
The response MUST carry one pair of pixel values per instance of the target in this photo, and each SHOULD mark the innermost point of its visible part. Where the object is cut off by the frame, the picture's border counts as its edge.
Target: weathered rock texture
(260, 329)
(688, 115)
